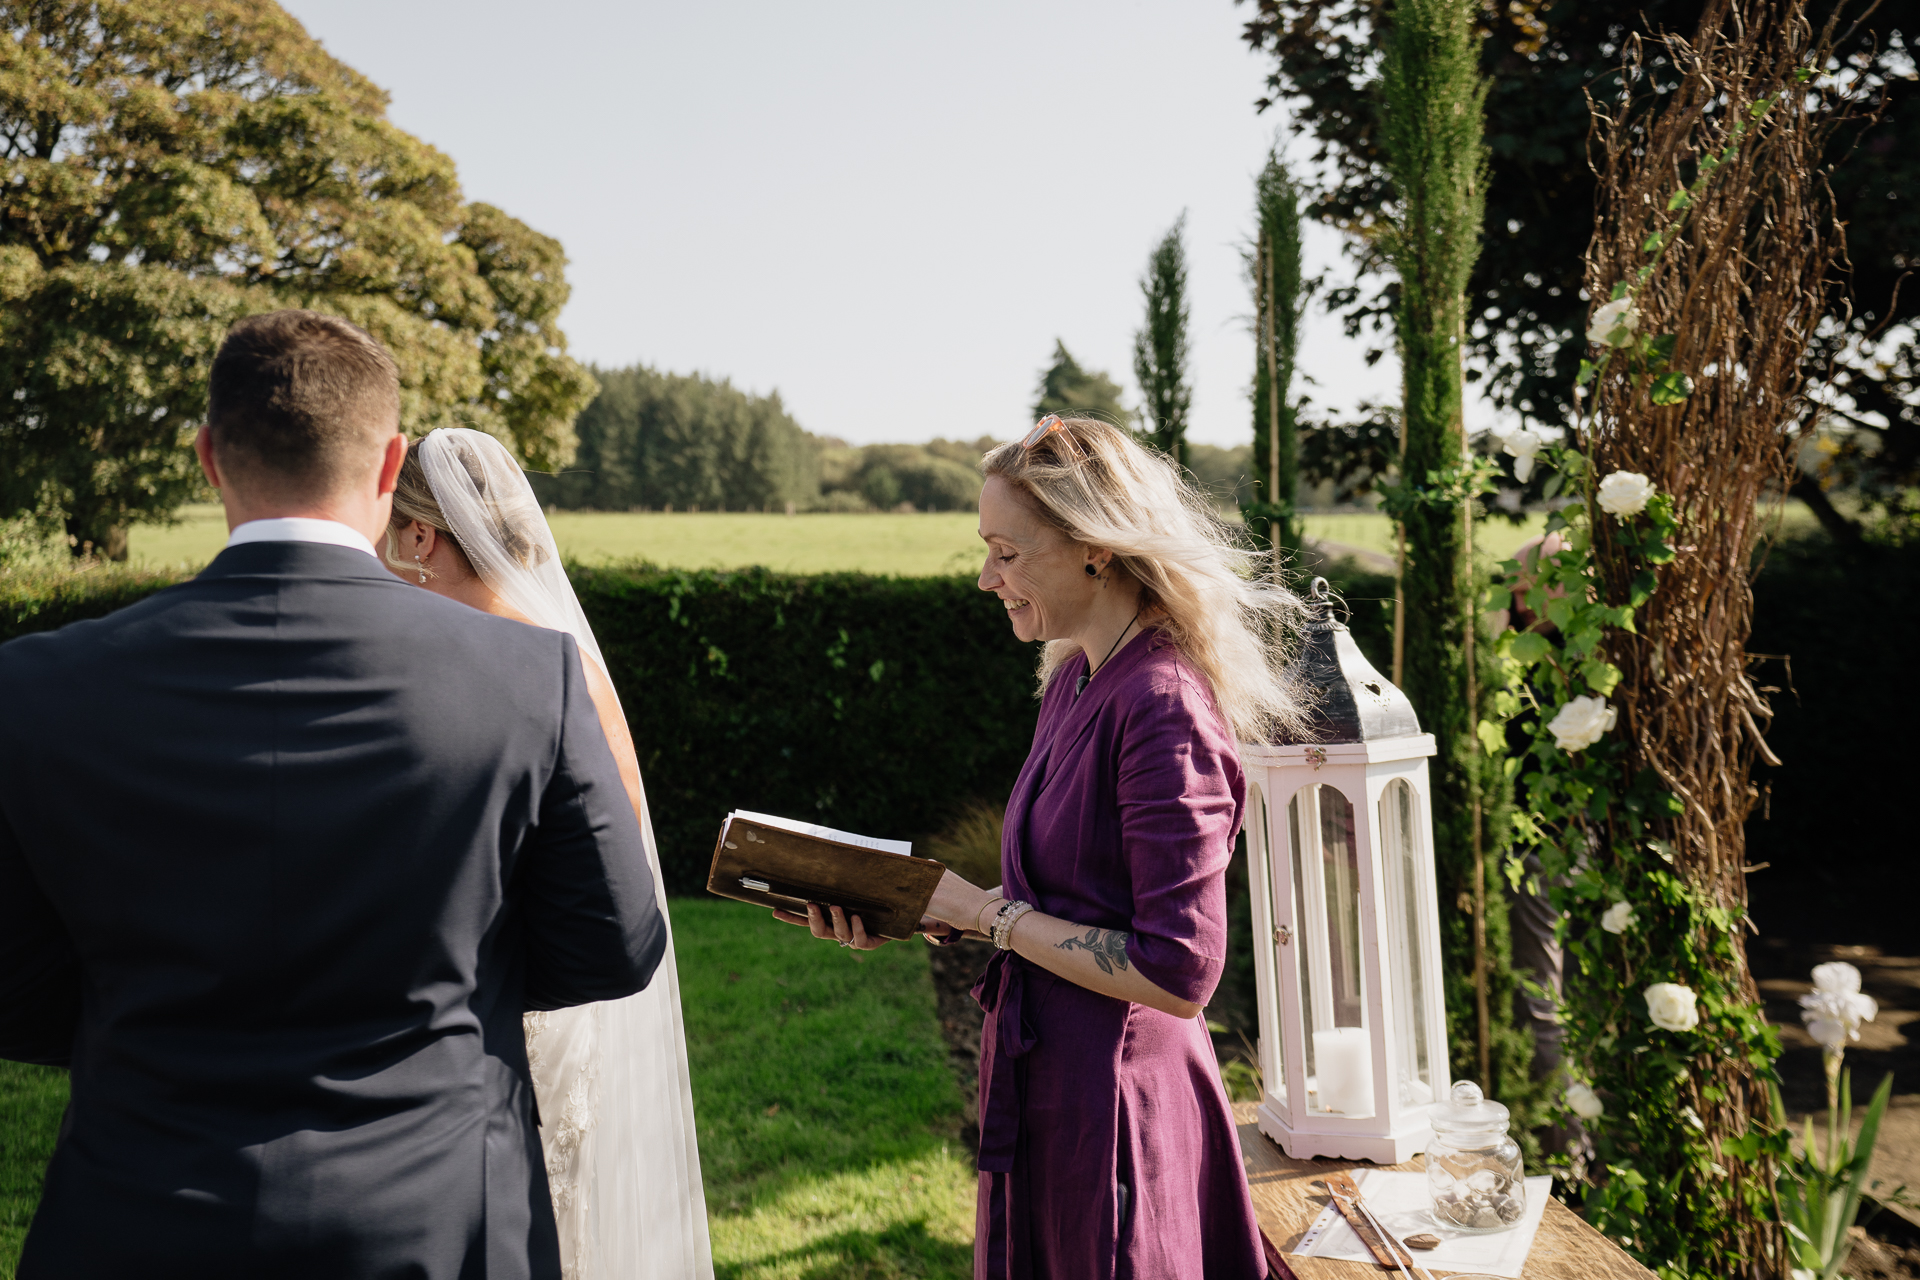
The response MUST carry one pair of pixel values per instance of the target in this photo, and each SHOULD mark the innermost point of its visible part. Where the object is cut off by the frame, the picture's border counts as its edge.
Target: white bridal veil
(616, 1100)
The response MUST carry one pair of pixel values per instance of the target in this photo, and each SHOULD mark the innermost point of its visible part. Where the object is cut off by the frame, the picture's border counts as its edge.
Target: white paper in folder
(1400, 1201)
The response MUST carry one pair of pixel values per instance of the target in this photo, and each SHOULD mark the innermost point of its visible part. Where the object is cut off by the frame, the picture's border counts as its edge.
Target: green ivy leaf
(1530, 646)
(1619, 291)
(1671, 387)
(1586, 373)
(1680, 199)
(1601, 676)
(1660, 348)
(1653, 242)
(1643, 585)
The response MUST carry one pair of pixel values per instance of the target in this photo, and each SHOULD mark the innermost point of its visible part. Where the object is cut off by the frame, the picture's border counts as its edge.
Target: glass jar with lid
(1474, 1173)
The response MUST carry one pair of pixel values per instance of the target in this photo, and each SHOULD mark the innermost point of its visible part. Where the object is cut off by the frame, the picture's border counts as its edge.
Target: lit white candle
(1343, 1063)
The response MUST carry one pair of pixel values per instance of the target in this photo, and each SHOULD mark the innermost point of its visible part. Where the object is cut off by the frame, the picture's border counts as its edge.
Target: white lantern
(1353, 1047)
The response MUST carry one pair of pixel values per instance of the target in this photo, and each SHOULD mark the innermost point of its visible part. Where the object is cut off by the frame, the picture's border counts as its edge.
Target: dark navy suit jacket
(285, 852)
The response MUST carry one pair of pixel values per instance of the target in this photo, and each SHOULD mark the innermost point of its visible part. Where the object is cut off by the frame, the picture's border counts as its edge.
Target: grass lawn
(31, 1100)
(828, 1117)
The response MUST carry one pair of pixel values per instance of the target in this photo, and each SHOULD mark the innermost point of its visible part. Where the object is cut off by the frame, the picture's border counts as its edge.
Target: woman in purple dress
(1107, 1145)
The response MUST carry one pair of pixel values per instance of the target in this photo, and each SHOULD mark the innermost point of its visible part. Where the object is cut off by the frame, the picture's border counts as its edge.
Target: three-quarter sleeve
(1180, 791)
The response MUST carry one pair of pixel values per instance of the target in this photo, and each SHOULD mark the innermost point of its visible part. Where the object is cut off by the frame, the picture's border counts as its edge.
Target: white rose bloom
(1582, 722)
(1625, 493)
(1671, 1006)
(1835, 1008)
(1522, 445)
(1584, 1102)
(1618, 918)
(1617, 316)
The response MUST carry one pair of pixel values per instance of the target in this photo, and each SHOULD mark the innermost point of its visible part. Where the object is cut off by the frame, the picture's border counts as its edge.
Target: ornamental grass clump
(1708, 267)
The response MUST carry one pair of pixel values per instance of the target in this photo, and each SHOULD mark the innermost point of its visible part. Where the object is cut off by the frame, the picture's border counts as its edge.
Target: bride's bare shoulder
(599, 687)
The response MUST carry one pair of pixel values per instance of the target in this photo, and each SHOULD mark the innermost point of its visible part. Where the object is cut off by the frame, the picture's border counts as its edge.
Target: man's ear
(390, 463)
(203, 449)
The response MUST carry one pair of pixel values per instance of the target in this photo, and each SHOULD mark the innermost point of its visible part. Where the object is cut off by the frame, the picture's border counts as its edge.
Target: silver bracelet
(1003, 923)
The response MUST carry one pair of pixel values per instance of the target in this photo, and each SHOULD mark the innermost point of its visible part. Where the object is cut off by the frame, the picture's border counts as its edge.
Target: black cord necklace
(1081, 686)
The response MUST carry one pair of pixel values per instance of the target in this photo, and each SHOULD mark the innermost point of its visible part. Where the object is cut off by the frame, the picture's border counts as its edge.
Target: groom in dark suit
(285, 852)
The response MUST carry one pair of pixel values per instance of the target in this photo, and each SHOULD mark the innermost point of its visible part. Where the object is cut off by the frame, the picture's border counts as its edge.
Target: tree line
(658, 441)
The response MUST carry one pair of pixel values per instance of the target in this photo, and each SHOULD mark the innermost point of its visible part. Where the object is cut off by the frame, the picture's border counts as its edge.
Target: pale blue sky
(887, 211)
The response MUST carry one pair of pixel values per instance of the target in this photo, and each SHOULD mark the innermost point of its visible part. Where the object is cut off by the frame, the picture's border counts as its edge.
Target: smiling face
(1038, 573)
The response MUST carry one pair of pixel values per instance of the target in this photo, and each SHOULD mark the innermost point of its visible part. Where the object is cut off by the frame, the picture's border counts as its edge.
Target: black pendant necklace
(1080, 686)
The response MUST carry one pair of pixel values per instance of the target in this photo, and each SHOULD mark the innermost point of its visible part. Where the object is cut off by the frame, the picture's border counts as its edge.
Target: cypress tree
(1067, 388)
(1279, 297)
(1433, 110)
(1160, 349)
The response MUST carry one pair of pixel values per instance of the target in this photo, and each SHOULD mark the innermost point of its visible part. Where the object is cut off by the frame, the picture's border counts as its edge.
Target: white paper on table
(1401, 1203)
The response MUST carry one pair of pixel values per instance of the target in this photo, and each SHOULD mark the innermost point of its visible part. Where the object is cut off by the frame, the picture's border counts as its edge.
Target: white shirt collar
(301, 529)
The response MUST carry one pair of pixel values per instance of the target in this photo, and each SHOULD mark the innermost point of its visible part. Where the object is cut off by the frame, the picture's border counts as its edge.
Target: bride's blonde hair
(413, 499)
(1101, 488)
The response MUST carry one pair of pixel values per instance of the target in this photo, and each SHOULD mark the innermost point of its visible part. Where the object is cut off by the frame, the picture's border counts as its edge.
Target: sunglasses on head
(1052, 425)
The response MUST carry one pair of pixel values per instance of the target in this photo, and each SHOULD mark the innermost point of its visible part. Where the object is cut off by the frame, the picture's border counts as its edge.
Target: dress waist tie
(1001, 991)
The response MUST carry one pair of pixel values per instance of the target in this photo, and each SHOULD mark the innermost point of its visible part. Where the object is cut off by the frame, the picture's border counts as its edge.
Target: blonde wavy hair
(1234, 625)
(413, 500)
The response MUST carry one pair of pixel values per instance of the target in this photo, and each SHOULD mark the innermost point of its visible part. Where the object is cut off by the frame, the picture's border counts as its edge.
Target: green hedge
(1834, 823)
(875, 704)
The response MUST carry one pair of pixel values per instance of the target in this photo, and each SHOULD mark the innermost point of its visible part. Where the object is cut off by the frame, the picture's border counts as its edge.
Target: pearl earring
(423, 569)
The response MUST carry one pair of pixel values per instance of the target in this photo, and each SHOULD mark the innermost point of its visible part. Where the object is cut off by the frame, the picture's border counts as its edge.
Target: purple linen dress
(1107, 1146)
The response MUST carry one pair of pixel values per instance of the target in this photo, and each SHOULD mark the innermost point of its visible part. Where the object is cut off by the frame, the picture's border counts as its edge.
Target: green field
(910, 545)
(942, 542)
(829, 1119)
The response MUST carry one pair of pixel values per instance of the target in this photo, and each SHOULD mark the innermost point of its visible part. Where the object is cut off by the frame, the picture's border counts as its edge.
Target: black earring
(1092, 572)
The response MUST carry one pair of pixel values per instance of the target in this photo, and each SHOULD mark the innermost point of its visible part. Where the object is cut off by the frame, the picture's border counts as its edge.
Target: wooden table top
(1565, 1248)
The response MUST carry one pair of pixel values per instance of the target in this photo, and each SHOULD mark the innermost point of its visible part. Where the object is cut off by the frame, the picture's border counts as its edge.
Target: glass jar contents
(1474, 1173)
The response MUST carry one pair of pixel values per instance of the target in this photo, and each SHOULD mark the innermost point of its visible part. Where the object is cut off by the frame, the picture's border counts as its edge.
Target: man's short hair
(300, 399)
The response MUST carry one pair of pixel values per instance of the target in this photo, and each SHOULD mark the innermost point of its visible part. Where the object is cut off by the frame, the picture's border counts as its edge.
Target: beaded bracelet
(1003, 923)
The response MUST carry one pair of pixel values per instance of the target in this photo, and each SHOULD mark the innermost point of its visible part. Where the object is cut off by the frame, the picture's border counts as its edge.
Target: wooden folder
(785, 864)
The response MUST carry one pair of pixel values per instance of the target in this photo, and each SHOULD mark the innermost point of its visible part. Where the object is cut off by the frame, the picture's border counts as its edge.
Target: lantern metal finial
(1352, 702)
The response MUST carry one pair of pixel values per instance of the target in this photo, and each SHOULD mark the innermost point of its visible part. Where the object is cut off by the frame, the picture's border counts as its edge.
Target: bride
(616, 1104)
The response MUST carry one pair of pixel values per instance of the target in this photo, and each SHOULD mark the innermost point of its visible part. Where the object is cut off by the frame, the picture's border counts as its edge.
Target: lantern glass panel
(1326, 889)
(1274, 1068)
(1406, 943)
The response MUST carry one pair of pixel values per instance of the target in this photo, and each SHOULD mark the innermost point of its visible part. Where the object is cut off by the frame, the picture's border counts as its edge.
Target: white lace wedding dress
(616, 1100)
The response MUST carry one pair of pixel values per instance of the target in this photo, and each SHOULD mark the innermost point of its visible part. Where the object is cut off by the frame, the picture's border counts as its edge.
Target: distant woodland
(664, 441)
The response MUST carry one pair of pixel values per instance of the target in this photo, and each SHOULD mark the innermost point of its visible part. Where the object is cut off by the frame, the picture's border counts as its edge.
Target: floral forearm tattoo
(1108, 947)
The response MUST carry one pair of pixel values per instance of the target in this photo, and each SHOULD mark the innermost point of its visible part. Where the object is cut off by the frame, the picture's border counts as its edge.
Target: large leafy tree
(168, 166)
(1525, 299)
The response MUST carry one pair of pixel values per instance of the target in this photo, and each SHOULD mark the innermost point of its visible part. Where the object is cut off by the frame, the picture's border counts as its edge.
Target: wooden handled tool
(1388, 1251)
(1346, 1195)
